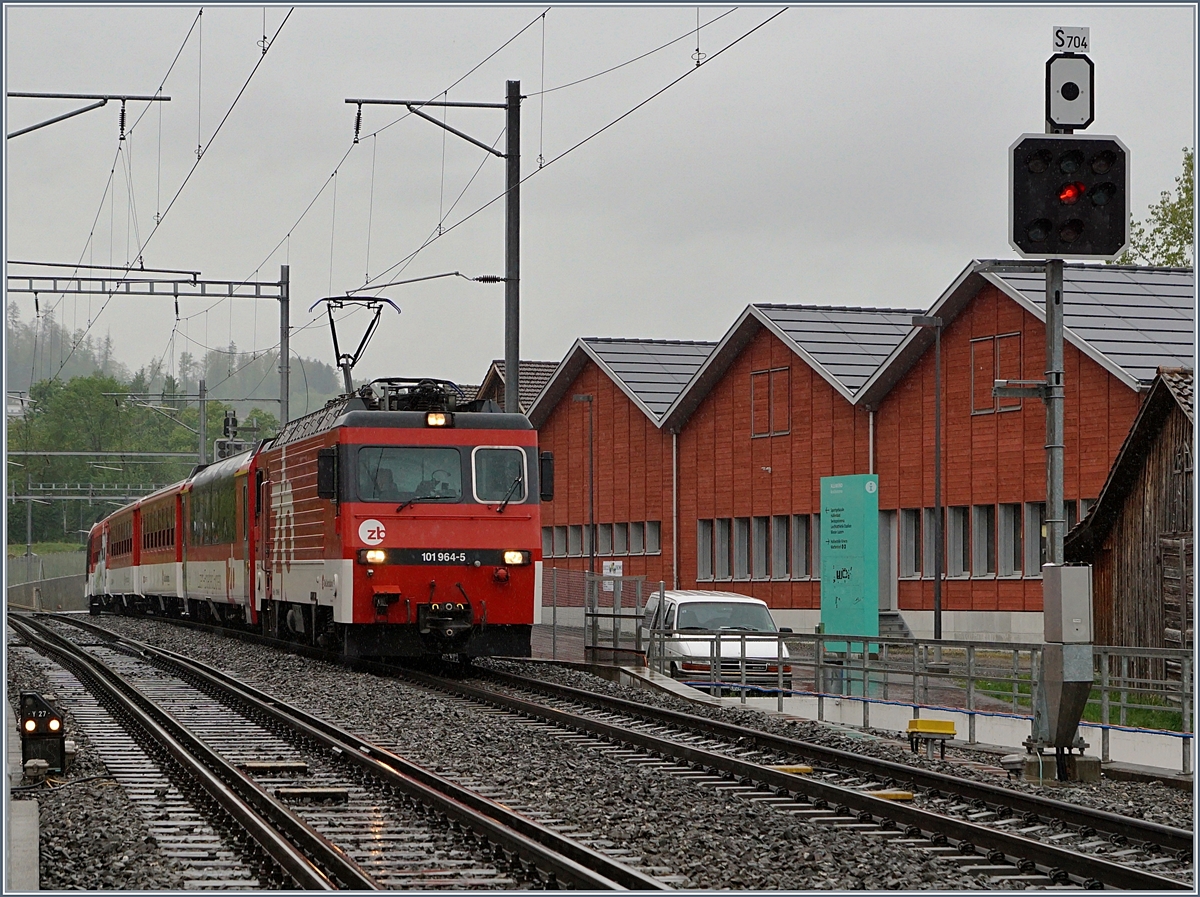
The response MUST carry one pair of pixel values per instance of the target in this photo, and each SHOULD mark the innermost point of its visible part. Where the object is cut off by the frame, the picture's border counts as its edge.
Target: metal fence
(595, 617)
(1134, 688)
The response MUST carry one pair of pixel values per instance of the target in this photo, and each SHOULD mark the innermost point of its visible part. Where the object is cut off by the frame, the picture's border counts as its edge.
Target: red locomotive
(396, 521)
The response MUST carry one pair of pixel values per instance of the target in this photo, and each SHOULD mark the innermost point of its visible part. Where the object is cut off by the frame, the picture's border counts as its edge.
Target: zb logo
(843, 574)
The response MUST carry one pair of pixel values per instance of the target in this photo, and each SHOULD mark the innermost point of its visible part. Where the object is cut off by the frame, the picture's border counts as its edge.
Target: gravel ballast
(715, 841)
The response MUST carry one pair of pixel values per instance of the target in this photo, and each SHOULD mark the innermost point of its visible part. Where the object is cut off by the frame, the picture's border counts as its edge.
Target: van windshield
(725, 615)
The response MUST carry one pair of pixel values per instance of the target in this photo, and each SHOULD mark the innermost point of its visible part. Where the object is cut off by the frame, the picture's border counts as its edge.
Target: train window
(500, 474)
(404, 473)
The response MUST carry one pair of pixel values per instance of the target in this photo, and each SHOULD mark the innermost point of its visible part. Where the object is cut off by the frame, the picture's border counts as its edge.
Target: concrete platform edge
(22, 859)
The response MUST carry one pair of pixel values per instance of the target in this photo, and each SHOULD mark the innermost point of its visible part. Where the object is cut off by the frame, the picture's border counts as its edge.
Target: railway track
(315, 803)
(1014, 847)
(1006, 835)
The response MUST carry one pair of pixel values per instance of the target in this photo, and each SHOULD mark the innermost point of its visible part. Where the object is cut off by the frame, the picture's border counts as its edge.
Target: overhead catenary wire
(287, 236)
(638, 58)
(437, 231)
(691, 71)
(187, 177)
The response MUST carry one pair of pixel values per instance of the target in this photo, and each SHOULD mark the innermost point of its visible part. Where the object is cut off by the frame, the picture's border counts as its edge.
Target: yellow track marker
(891, 794)
(799, 770)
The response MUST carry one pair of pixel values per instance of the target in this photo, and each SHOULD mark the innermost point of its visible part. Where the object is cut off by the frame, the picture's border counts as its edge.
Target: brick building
(730, 466)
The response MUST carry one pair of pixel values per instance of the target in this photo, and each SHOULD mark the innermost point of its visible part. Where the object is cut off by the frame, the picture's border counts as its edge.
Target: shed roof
(1129, 320)
(1171, 387)
(650, 372)
(844, 344)
(531, 375)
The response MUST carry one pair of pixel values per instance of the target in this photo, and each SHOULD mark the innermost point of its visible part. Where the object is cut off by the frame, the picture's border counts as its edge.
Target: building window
(637, 538)
(994, 358)
(722, 548)
(780, 548)
(620, 538)
(910, 543)
(604, 531)
(983, 527)
(760, 555)
(704, 549)
(770, 402)
(1035, 537)
(741, 548)
(574, 541)
(547, 541)
(816, 546)
(1072, 515)
(930, 542)
(958, 543)
(800, 540)
(589, 547)
(1010, 540)
(560, 541)
(653, 537)
(1085, 507)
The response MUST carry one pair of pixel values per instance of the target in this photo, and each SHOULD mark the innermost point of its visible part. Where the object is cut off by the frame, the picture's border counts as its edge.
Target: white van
(691, 619)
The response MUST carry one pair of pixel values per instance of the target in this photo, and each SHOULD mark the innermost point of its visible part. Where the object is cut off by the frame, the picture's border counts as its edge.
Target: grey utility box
(1067, 602)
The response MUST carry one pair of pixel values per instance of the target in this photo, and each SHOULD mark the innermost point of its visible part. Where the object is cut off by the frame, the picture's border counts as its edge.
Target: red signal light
(1070, 193)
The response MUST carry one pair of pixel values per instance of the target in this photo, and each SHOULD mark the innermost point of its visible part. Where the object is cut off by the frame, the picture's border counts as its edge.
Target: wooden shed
(1138, 537)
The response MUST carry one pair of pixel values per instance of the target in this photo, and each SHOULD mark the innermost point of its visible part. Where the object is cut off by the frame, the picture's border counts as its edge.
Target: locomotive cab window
(405, 473)
(500, 474)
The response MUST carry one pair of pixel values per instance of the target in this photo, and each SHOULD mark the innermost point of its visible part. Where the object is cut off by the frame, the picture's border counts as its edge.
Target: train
(397, 521)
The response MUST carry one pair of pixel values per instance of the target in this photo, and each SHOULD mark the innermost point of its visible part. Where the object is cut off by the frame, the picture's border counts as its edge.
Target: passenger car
(684, 624)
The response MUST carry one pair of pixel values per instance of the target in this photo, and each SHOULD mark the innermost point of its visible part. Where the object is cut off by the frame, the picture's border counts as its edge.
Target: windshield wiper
(509, 495)
(423, 498)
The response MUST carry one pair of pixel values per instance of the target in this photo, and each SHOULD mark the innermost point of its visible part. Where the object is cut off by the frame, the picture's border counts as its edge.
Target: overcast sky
(844, 156)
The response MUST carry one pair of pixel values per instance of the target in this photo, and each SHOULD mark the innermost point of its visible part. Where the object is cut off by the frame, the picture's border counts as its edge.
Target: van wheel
(675, 670)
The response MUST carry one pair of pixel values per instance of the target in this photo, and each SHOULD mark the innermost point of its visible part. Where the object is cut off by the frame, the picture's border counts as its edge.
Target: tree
(1167, 236)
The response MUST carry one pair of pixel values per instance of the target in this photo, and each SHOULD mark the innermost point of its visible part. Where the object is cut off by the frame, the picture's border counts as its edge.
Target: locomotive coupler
(444, 620)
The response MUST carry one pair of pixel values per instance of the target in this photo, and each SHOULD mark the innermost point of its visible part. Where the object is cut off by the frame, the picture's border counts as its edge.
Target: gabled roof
(843, 344)
(532, 376)
(650, 372)
(1129, 320)
(1172, 387)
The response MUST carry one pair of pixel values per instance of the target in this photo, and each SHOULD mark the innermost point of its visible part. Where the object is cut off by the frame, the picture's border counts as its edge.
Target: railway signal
(43, 736)
(1070, 97)
(1069, 196)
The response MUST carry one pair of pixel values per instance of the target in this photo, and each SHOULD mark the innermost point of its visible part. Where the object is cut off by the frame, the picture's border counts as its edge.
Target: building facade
(730, 466)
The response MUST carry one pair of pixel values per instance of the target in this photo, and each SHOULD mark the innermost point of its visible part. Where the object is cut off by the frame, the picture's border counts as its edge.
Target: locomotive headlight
(516, 558)
(55, 725)
(439, 419)
(30, 725)
(373, 556)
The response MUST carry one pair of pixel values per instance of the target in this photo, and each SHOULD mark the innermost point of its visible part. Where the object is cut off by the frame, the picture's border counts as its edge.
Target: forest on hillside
(67, 392)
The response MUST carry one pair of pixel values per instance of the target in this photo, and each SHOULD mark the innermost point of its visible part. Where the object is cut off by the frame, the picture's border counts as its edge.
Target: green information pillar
(850, 557)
